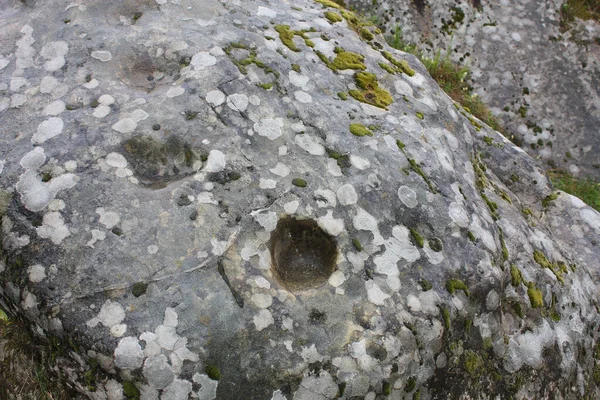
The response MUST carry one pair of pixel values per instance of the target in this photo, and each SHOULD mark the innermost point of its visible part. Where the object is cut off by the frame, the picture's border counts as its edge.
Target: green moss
(366, 34)
(342, 96)
(557, 268)
(417, 237)
(299, 182)
(425, 285)
(503, 244)
(468, 325)
(527, 212)
(309, 43)
(333, 17)
(551, 197)
(471, 237)
(523, 111)
(356, 244)
(296, 68)
(419, 115)
(400, 145)
(401, 65)
(417, 395)
(386, 388)
(131, 391)
(287, 36)
(535, 296)
(411, 383)
(387, 68)
(515, 178)
(473, 363)
(266, 86)
(488, 140)
(213, 372)
(139, 288)
(452, 285)
(516, 278)
(370, 92)
(328, 3)
(417, 168)
(446, 317)
(360, 130)
(348, 60)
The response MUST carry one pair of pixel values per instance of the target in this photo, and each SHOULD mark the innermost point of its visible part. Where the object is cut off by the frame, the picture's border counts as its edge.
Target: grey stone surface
(541, 80)
(193, 132)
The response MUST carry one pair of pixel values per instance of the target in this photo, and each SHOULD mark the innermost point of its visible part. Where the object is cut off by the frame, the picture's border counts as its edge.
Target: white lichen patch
(54, 53)
(325, 198)
(337, 278)
(125, 125)
(116, 160)
(37, 273)
(363, 221)
(175, 92)
(480, 232)
(269, 128)
(237, 102)
(216, 162)
(102, 55)
(53, 228)
(407, 196)
(261, 300)
(215, 98)
(208, 387)
(128, 354)
(267, 183)
(54, 108)
(281, 170)
(202, 60)
(458, 214)
(263, 319)
(346, 194)
(291, 207)
(97, 235)
(375, 294)
(111, 314)
(47, 130)
(109, 219)
(298, 79)
(267, 220)
(359, 162)
(265, 12)
(331, 225)
(302, 97)
(310, 144)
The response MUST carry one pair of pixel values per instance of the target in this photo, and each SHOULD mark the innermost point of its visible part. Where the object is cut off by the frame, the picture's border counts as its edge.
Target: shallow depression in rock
(303, 255)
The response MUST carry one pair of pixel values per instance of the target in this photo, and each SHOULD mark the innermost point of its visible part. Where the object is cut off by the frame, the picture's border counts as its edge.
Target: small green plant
(586, 190)
(452, 78)
(582, 9)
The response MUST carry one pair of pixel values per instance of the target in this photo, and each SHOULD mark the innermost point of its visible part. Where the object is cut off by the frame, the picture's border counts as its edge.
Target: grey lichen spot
(303, 255)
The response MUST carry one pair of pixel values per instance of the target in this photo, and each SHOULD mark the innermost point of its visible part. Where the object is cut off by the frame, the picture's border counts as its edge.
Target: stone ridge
(164, 163)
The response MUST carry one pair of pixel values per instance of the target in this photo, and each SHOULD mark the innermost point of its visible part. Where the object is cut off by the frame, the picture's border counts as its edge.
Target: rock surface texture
(538, 73)
(261, 200)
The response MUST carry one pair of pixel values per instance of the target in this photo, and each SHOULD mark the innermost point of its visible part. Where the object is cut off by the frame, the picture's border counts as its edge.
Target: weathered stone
(237, 242)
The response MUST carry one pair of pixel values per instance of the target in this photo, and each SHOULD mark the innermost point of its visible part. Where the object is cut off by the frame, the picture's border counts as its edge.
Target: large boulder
(261, 200)
(536, 66)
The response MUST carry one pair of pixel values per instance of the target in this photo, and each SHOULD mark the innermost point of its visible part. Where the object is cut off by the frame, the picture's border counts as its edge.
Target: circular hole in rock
(303, 255)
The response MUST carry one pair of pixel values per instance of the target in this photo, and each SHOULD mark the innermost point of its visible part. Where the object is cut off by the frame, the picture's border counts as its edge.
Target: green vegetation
(515, 276)
(370, 92)
(347, 60)
(356, 244)
(213, 372)
(582, 9)
(360, 130)
(299, 182)
(557, 268)
(27, 367)
(451, 77)
(452, 285)
(473, 363)
(535, 296)
(333, 17)
(586, 190)
(417, 237)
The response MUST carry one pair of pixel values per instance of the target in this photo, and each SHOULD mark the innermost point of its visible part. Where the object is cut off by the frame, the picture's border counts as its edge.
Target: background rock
(539, 74)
